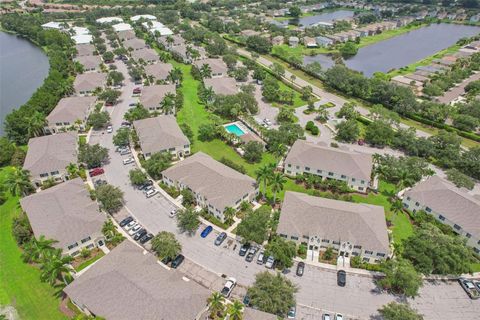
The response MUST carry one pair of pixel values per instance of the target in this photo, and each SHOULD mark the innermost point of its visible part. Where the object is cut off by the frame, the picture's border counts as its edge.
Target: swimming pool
(235, 129)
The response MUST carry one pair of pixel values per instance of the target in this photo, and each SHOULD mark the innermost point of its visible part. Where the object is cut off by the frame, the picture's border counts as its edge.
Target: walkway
(455, 92)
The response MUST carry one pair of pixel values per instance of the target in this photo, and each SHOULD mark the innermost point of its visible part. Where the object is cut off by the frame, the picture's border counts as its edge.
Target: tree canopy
(254, 227)
(166, 245)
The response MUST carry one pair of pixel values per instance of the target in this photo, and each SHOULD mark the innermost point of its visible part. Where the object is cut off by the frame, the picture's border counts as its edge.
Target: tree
(348, 111)
(98, 119)
(264, 174)
(254, 227)
(234, 310)
(277, 182)
(55, 267)
(165, 245)
(108, 56)
(272, 293)
(282, 250)
(205, 71)
(188, 198)
(465, 122)
(399, 311)
(110, 198)
(347, 131)
(379, 133)
(21, 229)
(258, 44)
(122, 137)
(216, 304)
(187, 221)
(36, 123)
(175, 75)
(36, 249)
(459, 179)
(8, 149)
(278, 69)
(92, 155)
(207, 132)
(228, 215)
(115, 78)
(158, 162)
(253, 151)
(109, 229)
(295, 11)
(137, 113)
(469, 162)
(109, 96)
(400, 277)
(433, 252)
(286, 116)
(137, 177)
(18, 182)
(349, 49)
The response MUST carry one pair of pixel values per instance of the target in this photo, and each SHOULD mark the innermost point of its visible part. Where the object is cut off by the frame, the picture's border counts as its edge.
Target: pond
(23, 67)
(402, 50)
(308, 21)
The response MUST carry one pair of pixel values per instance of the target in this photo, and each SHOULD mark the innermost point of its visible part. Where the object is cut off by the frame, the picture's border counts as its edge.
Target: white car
(128, 161)
(134, 229)
(172, 213)
(270, 262)
(260, 257)
(338, 316)
(131, 225)
(228, 287)
(151, 193)
(109, 129)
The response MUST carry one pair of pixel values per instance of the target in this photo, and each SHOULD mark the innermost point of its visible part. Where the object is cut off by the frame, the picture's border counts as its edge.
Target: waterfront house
(278, 40)
(67, 214)
(161, 134)
(214, 185)
(68, 112)
(293, 41)
(89, 63)
(82, 39)
(354, 168)
(222, 86)
(159, 70)
(449, 205)
(86, 83)
(217, 66)
(352, 229)
(152, 96)
(324, 41)
(309, 42)
(146, 54)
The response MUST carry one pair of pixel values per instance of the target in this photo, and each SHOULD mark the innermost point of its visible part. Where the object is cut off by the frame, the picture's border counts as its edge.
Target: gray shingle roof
(89, 62)
(153, 95)
(158, 70)
(252, 314)
(359, 223)
(146, 54)
(71, 109)
(451, 202)
(177, 40)
(135, 44)
(51, 153)
(89, 81)
(159, 133)
(64, 212)
(352, 164)
(216, 65)
(226, 85)
(221, 185)
(85, 49)
(125, 35)
(130, 284)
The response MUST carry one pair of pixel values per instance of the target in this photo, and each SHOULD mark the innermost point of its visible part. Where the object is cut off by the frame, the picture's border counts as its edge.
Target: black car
(99, 182)
(249, 257)
(140, 233)
(244, 249)
(126, 221)
(341, 278)
(177, 261)
(147, 184)
(220, 238)
(300, 268)
(145, 238)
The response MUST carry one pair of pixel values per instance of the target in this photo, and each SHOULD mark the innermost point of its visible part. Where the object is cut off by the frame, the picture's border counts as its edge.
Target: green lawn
(20, 283)
(88, 262)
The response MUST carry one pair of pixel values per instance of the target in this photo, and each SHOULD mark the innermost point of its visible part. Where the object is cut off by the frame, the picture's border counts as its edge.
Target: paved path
(459, 90)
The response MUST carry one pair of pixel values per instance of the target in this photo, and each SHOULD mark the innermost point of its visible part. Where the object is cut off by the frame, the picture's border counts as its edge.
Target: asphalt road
(318, 291)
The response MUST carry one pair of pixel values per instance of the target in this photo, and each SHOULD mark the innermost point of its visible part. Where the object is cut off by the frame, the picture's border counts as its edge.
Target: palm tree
(215, 302)
(405, 179)
(206, 71)
(228, 215)
(207, 95)
(235, 310)
(109, 230)
(169, 41)
(263, 175)
(168, 103)
(72, 170)
(277, 182)
(175, 75)
(36, 123)
(396, 207)
(56, 267)
(36, 249)
(18, 182)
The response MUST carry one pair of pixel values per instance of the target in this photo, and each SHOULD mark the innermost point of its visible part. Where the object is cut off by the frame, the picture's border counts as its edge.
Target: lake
(311, 20)
(23, 67)
(404, 49)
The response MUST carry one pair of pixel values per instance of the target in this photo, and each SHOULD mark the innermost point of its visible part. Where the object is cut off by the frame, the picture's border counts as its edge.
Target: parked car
(251, 254)
(126, 124)
(135, 229)
(96, 172)
(270, 262)
(125, 151)
(300, 268)
(148, 188)
(469, 288)
(220, 238)
(132, 104)
(140, 233)
(243, 249)
(126, 221)
(173, 213)
(292, 313)
(206, 231)
(341, 278)
(246, 300)
(109, 129)
(99, 182)
(130, 225)
(261, 258)
(166, 261)
(146, 238)
(177, 261)
(326, 316)
(137, 91)
(128, 161)
(151, 193)
(228, 287)
(338, 316)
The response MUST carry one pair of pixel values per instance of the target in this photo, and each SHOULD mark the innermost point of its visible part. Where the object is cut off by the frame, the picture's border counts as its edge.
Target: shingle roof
(359, 223)
(64, 212)
(216, 65)
(135, 44)
(158, 70)
(89, 62)
(153, 95)
(225, 85)
(85, 49)
(252, 314)
(51, 153)
(451, 202)
(349, 163)
(177, 40)
(221, 185)
(159, 133)
(130, 284)
(125, 35)
(146, 54)
(71, 109)
(89, 81)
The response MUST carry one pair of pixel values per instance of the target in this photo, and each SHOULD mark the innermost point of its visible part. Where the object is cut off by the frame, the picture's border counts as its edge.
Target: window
(297, 167)
(357, 247)
(283, 235)
(90, 246)
(353, 179)
(319, 171)
(86, 239)
(366, 259)
(417, 204)
(408, 198)
(238, 201)
(289, 165)
(336, 242)
(440, 217)
(330, 173)
(66, 123)
(428, 209)
(171, 149)
(476, 250)
(362, 182)
(305, 237)
(148, 155)
(326, 240)
(360, 188)
(368, 252)
(456, 227)
(43, 175)
(354, 253)
(70, 247)
(54, 173)
(186, 146)
(293, 238)
(343, 176)
(379, 254)
(289, 172)
(468, 235)
(307, 169)
(59, 124)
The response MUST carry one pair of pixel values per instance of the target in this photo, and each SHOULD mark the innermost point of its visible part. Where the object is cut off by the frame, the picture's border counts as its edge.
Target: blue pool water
(233, 128)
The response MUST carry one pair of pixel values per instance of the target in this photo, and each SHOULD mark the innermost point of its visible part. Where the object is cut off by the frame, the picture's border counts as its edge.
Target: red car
(137, 91)
(96, 172)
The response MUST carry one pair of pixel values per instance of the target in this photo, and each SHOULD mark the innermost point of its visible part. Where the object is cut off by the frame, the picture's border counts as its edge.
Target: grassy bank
(20, 284)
